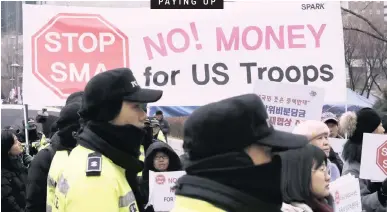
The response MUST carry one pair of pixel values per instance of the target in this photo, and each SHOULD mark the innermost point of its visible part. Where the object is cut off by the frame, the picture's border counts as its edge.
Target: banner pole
(25, 114)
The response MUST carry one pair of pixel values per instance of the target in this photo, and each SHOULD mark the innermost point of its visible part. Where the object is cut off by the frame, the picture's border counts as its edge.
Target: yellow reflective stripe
(124, 201)
(142, 153)
(48, 208)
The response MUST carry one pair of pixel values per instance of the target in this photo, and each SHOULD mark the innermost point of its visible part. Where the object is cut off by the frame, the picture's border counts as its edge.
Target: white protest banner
(161, 191)
(346, 194)
(337, 144)
(288, 104)
(195, 56)
(374, 157)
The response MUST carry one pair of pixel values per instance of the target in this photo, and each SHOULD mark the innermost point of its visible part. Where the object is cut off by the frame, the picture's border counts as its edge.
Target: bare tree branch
(367, 33)
(365, 20)
(368, 4)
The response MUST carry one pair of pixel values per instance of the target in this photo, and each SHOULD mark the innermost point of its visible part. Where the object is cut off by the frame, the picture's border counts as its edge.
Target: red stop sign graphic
(381, 157)
(72, 48)
(160, 179)
(337, 197)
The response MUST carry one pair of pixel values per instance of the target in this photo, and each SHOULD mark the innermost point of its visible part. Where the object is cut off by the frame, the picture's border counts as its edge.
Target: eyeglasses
(323, 169)
(163, 157)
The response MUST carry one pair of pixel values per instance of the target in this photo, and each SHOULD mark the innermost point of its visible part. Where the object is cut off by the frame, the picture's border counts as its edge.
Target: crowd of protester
(98, 154)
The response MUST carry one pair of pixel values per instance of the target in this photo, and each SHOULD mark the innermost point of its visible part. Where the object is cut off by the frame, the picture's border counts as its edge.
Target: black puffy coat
(13, 184)
(174, 165)
(37, 178)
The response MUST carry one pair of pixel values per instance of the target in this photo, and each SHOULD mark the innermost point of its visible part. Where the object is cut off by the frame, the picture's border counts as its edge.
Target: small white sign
(337, 144)
(161, 189)
(374, 157)
(289, 104)
(346, 194)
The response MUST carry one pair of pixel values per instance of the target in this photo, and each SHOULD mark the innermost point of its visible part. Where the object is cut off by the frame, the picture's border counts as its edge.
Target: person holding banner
(317, 133)
(303, 190)
(101, 172)
(231, 167)
(159, 157)
(366, 120)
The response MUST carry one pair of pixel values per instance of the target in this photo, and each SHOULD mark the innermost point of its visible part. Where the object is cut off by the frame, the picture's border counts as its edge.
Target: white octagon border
(50, 25)
(377, 157)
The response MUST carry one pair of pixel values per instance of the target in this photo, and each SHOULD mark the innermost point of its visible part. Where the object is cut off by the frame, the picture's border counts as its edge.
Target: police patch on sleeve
(94, 164)
(132, 207)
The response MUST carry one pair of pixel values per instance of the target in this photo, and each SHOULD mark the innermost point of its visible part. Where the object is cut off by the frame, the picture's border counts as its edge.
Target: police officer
(61, 141)
(231, 168)
(68, 125)
(100, 174)
(157, 132)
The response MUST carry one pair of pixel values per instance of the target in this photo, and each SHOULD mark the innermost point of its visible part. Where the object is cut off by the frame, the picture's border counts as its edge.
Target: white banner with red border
(195, 56)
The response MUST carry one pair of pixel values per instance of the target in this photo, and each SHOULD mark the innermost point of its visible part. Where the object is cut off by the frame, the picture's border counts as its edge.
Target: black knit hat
(69, 115)
(367, 120)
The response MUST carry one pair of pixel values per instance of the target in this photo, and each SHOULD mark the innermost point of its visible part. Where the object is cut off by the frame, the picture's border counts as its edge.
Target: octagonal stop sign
(72, 48)
(381, 157)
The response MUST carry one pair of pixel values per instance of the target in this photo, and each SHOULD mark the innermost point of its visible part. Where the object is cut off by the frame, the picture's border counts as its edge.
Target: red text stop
(72, 48)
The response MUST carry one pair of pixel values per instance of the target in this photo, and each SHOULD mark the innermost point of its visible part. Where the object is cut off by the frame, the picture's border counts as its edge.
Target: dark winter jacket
(37, 177)
(184, 158)
(38, 171)
(335, 158)
(174, 165)
(13, 181)
(164, 126)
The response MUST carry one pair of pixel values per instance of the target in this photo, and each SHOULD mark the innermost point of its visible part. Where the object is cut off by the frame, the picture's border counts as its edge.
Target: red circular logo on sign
(160, 179)
(381, 157)
(72, 48)
(337, 197)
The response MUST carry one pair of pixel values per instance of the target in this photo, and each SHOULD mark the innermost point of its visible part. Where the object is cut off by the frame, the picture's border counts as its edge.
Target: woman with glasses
(305, 180)
(317, 133)
(159, 157)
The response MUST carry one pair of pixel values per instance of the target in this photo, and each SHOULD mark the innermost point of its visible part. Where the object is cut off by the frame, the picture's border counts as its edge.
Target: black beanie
(68, 115)
(367, 120)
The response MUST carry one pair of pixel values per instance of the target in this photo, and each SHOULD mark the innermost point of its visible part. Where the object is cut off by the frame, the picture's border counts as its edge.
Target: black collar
(90, 140)
(221, 196)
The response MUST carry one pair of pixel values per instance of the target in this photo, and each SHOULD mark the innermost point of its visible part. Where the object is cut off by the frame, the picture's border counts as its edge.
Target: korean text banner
(287, 104)
(195, 56)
